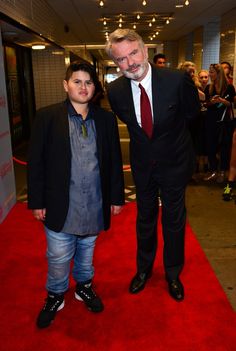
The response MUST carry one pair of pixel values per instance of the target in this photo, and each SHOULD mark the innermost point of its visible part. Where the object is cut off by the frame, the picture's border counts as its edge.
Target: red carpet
(149, 321)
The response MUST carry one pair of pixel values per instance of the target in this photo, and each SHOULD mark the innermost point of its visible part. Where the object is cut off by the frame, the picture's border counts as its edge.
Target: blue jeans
(62, 248)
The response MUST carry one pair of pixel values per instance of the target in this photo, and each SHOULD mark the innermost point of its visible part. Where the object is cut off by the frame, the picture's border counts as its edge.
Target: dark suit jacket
(49, 163)
(169, 152)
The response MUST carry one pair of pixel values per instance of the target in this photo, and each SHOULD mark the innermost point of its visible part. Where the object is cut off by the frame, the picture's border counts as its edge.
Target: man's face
(131, 58)
(80, 88)
(161, 62)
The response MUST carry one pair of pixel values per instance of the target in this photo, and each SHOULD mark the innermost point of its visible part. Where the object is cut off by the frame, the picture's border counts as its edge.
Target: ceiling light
(144, 3)
(157, 33)
(104, 22)
(150, 24)
(153, 19)
(120, 25)
(38, 47)
(167, 21)
(179, 5)
(120, 20)
(134, 26)
(138, 16)
(186, 3)
(101, 3)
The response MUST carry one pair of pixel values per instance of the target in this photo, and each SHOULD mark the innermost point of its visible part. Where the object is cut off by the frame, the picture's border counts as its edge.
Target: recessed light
(38, 47)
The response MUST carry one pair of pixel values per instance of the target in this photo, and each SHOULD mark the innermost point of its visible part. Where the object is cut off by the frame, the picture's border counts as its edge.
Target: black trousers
(173, 226)
(218, 140)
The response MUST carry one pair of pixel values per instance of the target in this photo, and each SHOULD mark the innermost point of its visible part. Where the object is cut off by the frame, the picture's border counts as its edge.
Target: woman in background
(196, 127)
(219, 126)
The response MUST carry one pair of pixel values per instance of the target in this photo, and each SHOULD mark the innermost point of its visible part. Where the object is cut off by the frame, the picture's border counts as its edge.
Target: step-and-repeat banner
(7, 179)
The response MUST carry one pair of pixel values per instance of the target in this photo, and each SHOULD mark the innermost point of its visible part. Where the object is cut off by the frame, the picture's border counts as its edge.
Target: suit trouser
(173, 227)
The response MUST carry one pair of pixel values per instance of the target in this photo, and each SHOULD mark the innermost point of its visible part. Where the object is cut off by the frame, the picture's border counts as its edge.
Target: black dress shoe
(176, 289)
(138, 282)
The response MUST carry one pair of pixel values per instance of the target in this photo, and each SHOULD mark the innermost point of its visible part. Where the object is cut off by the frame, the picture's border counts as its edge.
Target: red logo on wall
(4, 134)
(2, 101)
(5, 168)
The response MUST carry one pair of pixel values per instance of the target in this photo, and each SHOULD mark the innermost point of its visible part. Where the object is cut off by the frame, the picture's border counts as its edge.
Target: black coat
(169, 152)
(49, 163)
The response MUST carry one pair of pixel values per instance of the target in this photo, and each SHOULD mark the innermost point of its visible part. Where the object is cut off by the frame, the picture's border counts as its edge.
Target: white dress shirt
(136, 92)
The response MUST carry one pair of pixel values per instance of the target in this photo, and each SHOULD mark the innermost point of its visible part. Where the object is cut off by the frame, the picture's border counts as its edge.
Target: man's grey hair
(120, 35)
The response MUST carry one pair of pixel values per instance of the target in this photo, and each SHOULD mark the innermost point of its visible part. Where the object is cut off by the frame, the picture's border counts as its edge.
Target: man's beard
(142, 67)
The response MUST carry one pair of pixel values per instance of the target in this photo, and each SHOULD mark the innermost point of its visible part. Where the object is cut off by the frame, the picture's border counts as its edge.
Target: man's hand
(39, 214)
(115, 210)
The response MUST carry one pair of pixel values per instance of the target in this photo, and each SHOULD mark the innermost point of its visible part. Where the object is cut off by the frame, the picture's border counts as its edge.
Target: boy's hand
(39, 214)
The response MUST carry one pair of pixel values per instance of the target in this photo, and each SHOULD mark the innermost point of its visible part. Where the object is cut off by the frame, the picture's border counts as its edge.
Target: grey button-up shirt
(85, 214)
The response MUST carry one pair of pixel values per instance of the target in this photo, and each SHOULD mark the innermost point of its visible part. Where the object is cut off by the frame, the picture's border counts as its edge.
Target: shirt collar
(145, 81)
(72, 112)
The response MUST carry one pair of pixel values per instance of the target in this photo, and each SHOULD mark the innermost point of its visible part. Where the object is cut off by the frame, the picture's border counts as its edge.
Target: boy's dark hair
(157, 56)
(85, 67)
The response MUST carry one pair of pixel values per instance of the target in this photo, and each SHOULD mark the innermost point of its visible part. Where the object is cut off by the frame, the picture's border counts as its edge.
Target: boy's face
(80, 88)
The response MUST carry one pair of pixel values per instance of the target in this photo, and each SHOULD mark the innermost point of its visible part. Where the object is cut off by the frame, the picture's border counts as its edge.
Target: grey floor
(214, 223)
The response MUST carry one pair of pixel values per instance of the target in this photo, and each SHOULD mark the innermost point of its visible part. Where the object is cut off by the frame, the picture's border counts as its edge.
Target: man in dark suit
(161, 153)
(75, 182)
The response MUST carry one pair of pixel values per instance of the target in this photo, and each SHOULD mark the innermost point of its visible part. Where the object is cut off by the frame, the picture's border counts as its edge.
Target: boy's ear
(65, 85)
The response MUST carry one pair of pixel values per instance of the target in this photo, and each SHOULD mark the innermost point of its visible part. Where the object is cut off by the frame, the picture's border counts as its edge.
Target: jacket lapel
(128, 96)
(156, 94)
(98, 120)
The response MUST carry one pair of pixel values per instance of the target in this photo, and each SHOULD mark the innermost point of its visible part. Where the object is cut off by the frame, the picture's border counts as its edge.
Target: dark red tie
(146, 112)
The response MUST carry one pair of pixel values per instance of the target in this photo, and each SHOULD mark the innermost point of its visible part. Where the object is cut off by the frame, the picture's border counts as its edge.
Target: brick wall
(48, 71)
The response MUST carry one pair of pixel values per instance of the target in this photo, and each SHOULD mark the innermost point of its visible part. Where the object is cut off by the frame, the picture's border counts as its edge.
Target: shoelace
(50, 304)
(88, 293)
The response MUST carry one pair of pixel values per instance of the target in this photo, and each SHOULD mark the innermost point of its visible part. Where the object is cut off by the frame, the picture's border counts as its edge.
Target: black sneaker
(227, 194)
(54, 303)
(85, 293)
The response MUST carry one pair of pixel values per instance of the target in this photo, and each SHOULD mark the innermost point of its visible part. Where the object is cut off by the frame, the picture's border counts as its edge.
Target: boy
(75, 181)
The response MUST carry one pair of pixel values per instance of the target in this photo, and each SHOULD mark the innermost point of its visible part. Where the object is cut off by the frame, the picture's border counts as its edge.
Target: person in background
(228, 71)
(228, 189)
(203, 77)
(75, 181)
(159, 60)
(99, 95)
(219, 124)
(190, 68)
(195, 125)
(155, 104)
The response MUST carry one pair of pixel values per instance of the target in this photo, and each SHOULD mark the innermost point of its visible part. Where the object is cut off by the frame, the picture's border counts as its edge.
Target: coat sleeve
(189, 96)
(117, 178)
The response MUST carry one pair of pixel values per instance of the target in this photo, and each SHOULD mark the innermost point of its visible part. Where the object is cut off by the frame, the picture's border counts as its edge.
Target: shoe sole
(61, 306)
(89, 308)
(78, 297)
